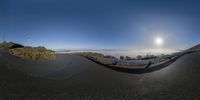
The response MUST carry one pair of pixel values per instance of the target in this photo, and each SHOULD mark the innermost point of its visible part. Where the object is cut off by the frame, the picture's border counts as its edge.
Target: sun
(158, 41)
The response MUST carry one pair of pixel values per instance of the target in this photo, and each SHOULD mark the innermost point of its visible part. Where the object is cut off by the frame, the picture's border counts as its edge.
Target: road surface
(72, 77)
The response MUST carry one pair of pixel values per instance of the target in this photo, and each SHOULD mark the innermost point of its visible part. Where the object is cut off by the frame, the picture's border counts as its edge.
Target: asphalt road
(72, 77)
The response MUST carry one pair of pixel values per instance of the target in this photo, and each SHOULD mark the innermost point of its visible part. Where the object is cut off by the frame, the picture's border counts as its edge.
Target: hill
(33, 53)
(10, 45)
(195, 48)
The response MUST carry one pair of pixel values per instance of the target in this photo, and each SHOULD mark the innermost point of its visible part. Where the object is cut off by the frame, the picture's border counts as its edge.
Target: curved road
(72, 77)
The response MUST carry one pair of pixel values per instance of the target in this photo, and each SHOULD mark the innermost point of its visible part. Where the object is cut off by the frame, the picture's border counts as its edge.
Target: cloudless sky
(100, 24)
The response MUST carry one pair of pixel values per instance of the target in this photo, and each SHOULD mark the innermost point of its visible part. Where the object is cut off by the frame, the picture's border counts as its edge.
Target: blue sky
(101, 24)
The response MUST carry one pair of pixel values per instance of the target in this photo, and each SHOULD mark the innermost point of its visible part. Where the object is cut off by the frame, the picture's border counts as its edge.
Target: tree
(139, 57)
(128, 58)
(121, 57)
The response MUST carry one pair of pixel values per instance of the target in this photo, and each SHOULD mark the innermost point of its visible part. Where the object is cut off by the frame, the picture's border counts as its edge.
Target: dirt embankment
(33, 53)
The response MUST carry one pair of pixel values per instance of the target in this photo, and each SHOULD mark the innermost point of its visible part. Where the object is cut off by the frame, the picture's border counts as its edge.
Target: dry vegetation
(94, 54)
(33, 53)
(87, 54)
(195, 48)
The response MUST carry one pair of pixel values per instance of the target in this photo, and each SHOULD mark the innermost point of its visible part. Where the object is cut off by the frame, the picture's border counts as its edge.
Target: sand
(72, 77)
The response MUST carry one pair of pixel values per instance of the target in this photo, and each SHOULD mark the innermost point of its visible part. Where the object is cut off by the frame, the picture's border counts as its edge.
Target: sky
(101, 24)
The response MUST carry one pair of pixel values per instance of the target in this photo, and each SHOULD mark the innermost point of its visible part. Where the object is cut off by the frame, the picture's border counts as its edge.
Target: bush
(122, 57)
(129, 58)
(109, 56)
(149, 57)
(88, 54)
(139, 57)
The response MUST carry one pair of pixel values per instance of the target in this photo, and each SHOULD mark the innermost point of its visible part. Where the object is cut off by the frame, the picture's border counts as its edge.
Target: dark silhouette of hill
(10, 45)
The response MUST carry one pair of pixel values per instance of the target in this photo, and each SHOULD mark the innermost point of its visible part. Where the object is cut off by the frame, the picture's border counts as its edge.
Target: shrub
(139, 57)
(109, 56)
(121, 57)
(88, 54)
(149, 57)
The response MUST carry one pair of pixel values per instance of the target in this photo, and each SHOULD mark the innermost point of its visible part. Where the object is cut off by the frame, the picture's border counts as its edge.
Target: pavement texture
(72, 77)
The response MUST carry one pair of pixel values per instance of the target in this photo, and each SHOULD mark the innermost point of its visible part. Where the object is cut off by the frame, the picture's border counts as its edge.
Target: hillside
(10, 45)
(33, 53)
(195, 48)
